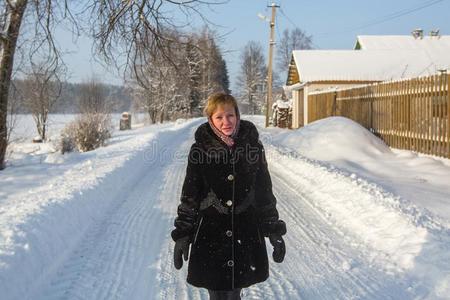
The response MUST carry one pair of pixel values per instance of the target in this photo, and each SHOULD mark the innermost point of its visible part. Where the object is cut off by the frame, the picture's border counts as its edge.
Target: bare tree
(11, 19)
(118, 28)
(93, 97)
(12, 13)
(134, 31)
(41, 90)
(13, 110)
(251, 78)
(296, 39)
(92, 128)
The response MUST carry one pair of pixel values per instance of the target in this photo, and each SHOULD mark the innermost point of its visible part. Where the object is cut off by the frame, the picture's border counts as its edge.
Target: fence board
(428, 125)
(448, 115)
(441, 117)
(443, 114)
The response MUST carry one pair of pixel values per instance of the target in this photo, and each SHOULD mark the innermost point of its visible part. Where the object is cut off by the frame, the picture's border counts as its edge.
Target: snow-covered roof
(367, 65)
(384, 42)
(437, 48)
(290, 88)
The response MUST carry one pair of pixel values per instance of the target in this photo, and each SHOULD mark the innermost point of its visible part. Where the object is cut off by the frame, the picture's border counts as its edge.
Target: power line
(287, 18)
(295, 26)
(386, 18)
(277, 28)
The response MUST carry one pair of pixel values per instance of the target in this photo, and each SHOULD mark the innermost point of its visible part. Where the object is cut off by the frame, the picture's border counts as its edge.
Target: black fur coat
(227, 208)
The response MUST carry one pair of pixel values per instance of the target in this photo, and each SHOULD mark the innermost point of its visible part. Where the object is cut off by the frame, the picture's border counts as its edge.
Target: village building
(373, 59)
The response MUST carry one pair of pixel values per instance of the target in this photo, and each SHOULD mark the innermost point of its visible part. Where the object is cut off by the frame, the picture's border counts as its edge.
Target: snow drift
(353, 173)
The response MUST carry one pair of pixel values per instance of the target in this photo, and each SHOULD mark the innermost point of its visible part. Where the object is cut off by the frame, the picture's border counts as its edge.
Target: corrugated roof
(367, 65)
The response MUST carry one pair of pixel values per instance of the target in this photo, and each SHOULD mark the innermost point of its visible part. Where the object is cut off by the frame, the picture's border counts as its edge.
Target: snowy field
(364, 221)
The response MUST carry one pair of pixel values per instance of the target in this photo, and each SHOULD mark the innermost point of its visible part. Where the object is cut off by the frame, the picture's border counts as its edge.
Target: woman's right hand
(181, 250)
(279, 248)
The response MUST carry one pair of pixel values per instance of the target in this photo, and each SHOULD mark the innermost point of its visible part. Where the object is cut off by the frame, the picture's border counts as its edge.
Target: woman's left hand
(279, 248)
(181, 251)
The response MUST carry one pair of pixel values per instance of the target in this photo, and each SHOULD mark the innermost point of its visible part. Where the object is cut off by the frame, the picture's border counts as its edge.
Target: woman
(227, 205)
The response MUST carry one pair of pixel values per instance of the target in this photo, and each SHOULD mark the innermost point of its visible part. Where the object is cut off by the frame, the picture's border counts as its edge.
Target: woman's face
(224, 118)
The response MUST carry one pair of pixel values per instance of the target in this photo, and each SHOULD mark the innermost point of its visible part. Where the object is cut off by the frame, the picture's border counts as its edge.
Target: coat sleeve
(191, 192)
(266, 202)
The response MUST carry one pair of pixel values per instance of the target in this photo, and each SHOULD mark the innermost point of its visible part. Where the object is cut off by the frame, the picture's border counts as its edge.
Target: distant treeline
(118, 98)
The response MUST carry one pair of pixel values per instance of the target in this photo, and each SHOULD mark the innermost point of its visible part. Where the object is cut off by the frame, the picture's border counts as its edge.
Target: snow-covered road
(322, 262)
(126, 254)
(335, 248)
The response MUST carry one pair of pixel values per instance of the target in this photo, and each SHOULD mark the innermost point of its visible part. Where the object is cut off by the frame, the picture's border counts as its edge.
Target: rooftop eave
(329, 81)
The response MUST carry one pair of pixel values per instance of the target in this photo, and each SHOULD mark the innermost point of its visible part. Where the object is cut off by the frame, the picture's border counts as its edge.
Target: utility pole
(269, 67)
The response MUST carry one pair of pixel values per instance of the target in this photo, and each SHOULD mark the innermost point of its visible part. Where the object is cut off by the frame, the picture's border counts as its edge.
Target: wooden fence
(410, 114)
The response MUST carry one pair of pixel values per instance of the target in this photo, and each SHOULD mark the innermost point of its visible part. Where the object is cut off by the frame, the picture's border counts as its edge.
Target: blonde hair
(219, 99)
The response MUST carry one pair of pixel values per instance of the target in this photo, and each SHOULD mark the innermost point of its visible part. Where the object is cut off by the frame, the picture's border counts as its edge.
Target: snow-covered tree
(179, 88)
(41, 90)
(122, 30)
(214, 71)
(194, 61)
(251, 78)
(159, 83)
(223, 78)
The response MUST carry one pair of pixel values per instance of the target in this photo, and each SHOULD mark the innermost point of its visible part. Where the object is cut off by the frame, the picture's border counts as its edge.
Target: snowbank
(421, 179)
(395, 203)
(386, 213)
(49, 200)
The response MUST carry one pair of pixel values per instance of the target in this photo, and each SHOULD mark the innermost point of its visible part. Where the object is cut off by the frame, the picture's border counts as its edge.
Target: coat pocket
(198, 229)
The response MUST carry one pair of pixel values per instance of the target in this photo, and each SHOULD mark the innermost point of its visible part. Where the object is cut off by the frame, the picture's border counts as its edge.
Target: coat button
(230, 177)
(229, 203)
(229, 233)
(230, 263)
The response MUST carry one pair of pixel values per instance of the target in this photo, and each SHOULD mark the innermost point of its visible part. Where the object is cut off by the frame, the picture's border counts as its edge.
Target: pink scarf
(229, 140)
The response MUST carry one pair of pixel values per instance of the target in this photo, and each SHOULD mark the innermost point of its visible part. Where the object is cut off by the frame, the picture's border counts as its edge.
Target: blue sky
(333, 25)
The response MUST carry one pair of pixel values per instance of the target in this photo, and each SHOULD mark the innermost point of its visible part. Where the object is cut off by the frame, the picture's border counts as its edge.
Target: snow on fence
(411, 114)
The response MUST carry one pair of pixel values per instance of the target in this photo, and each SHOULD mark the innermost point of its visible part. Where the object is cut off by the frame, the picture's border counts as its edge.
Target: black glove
(181, 249)
(279, 248)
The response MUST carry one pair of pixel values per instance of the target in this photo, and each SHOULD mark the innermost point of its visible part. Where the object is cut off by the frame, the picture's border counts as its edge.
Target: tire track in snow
(128, 254)
(320, 263)
(172, 282)
(118, 257)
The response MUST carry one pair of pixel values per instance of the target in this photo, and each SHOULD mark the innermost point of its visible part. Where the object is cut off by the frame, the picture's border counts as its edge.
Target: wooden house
(374, 59)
